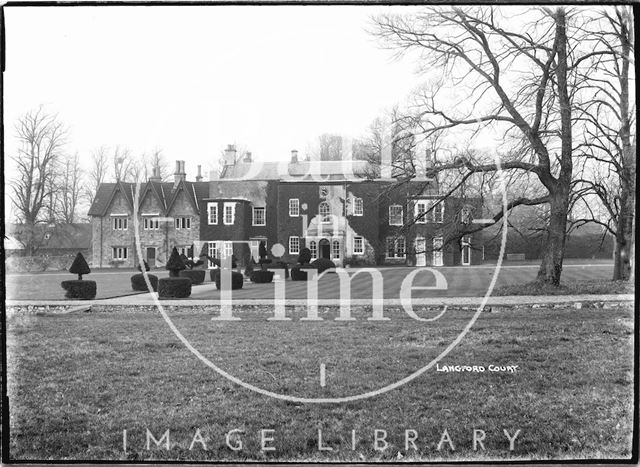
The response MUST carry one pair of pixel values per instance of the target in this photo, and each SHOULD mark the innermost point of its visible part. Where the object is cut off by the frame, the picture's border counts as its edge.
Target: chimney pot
(199, 176)
(294, 156)
(247, 157)
(230, 155)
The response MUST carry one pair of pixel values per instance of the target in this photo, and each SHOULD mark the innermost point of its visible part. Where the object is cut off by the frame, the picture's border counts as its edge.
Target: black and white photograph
(288, 232)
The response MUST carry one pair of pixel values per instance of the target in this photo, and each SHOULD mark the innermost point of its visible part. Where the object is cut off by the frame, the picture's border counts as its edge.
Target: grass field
(76, 381)
(461, 282)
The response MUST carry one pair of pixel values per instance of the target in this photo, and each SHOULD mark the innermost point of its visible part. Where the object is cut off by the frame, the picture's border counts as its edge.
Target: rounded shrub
(261, 277)
(323, 264)
(298, 274)
(138, 282)
(236, 280)
(174, 287)
(83, 290)
(196, 275)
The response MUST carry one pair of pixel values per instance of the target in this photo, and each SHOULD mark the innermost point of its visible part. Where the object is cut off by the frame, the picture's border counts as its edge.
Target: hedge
(323, 264)
(299, 273)
(196, 275)
(261, 277)
(174, 287)
(236, 280)
(83, 290)
(138, 282)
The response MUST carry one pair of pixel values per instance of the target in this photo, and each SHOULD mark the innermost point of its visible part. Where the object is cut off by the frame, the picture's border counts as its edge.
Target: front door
(325, 248)
(421, 256)
(151, 257)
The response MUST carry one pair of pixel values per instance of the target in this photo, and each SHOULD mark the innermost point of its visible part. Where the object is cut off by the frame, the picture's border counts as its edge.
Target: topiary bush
(196, 275)
(83, 290)
(322, 264)
(236, 279)
(138, 283)
(261, 277)
(174, 287)
(79, 266)
(305, 256)
(175, 263)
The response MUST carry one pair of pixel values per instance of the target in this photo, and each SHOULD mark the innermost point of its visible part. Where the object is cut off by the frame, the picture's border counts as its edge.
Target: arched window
(313, 247)
(335, 247)
(325, 212)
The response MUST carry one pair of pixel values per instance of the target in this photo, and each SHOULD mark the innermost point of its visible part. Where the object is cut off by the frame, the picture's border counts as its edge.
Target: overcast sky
(190, 80)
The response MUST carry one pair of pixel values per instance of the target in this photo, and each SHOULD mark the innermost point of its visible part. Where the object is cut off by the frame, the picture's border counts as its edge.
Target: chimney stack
(294, 156)
(180, 174)
(230, 155)
(155, 175)
(247, 157)
(199, 176)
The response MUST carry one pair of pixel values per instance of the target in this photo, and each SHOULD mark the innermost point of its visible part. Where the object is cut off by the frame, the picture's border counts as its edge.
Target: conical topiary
(175, 263)
(79, 266)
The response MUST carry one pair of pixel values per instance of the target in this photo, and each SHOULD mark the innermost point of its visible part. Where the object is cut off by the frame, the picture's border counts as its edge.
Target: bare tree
(158, 160)
(70, 189)
(42, 139)
(608, 149)
(518, 78)
(123, 164)
(98, 172)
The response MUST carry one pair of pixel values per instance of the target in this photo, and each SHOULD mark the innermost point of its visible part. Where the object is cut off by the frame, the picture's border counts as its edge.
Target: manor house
(341, 210)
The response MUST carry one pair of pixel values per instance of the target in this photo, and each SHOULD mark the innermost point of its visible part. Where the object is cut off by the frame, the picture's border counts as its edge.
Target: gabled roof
(189, 189)
(164, 192)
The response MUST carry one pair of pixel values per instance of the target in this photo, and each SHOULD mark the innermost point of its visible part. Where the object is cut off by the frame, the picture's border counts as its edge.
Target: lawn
(76, 381)
(461, 282)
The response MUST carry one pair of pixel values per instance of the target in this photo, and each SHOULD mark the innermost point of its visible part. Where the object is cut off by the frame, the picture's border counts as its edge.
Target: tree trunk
(624, 235)
(551, 266)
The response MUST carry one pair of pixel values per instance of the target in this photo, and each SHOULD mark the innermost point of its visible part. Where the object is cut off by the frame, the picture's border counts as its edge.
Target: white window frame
(228, 249)
(212, 249)
(294, 207)
(294, 245)
(395, 207)
(119, 253)
(232, 208)
(254, 217)
(182, 223)
(358, 245)
(313, 248)
(421, 218)
(438, 251)
(324, 218)
(358, 207)
(120, 223)
(439, 212)
(212, 219)
(396, 242)
(335, 249)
